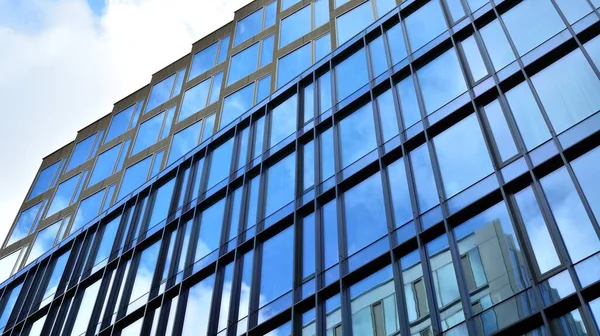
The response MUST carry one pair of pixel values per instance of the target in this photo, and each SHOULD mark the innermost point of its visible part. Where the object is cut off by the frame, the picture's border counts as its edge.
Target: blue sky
(97, 6)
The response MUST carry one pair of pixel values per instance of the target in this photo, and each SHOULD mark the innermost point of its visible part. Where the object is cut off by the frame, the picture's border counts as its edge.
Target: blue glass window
(277, 267)
(377, 55)
(585, 170)
(396, 44)
(281, 179)
(215, 91)
(411, 112)
(105, 165)
(574, 9)
(203, 60)
(236, 104)
(160, 93)
(295, 26)
(270, 14)
(400, 193)
(248, 27)
(285, 4)
(45, 179)
(65, 195)
(83, 316)
(527, 115)
(223, 48)
(209, 126)
(184, 141)
(568, 90)
(427, 195)
(441, 80)
(292, 64)
(325, 96)
(330, 234)
(148, 133)
(500, 130)
(456, 9)
(157, 163)
(9, 301)
(162, 202)
(283, 120)
(82, 152)
(7, 264)
(474, 58)
(209, 236)
(462, 155)
(322, 46)
(266, 52)
(134, 176)
(364, 204)
(119, 123)
(526, 33)
(199, 297)
(387, 115)
(264, 88)
(220, 163)
(88, 210)
(26, 222)
(497, 45)
(243, 63)
(194, 99)
(425, 24)
(309, 165)
(384, 6)
(357, 135)
(321, 13)
(308, 245)
(327, 154)
(351, 74)
(354, 21)
(593, 49)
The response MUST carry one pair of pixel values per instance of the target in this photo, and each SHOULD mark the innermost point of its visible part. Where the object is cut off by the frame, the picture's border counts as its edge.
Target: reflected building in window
(332, 167)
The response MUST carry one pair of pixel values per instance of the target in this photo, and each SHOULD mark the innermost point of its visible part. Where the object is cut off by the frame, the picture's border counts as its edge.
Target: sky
(64, 63)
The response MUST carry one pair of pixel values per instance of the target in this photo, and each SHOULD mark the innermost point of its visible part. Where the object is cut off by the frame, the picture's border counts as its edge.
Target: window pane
(266, 53)
(44, 241)
(425, 24)
(225, 296)
(330, 234)
(220, 163)
(574, 9)
(568, 90)
(377, 56)
(243, 63)
(539, 237)
(502, 135)
(285, 4)
(81, 152)
(215, 91)
(143, 277)
(476, 65)
(26, 221)
(357, 135)
(209, 127)
(396, 44)
(105, 165)
(236, 104)
(264, 88)
(408, 102)
(384, 6)
(248, 27)
(595, 308)
(352, 22)
(184, 141)
(148, 133)
(134, 176)
(194, 99)
(246, 283)
(7, 264)
(259, 136)
(456, 9)
(223, 48)
(497, 45)
(8, 302)
(45, 179)
(270, 15)
(441, 81)
(119, 124)
(387, 115)
(280, 184)
(528, 34)
(252, 202)
(283, 120)
(88, 210)
(277, 266)
(308, 245)
(575, 227)
(325, 96)
(197, 309)
(364, 204)
(527, 116)
(584, 168)
(327, 154)
(162, 201)
(168, 122)
(161, 92)
(400, 193)
(425, 182)
(462, 155)
(593, 49)
(369, 298)
(292, 64)
(84, 313)
(64, 195)
(295, 26)
(476, 4)
(417, 307)
(321, 9)
(203, 60)
(322, 44)
(570, 324)
(209, 237)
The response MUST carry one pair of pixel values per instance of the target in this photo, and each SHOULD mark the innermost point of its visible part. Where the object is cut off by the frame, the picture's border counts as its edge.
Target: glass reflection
(427, 194)
(401, 200)
(584, 168)
(408, 102)
(425, 24)
(276, 269)
(500, 130)
(353, 21)
(527, 115)
(497, 45)
(357, 135)
(387, 115)
(280, 184)
(415, 294)
(283, 120)
(197, 309)
(351, 74)
(570, 324)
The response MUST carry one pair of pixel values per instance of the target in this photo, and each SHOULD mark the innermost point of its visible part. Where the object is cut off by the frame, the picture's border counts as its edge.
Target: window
(593, 49)
(292, 64)
(308, 246)
(387, 115)
(106, 164)
(500, 130)
(354, 21)
(223, 48)
(197, 310)
(184, 141)
(143, 276)
(209, 127)
(497, 45)
(425, 24)
(203, 60)
(474, 58)
(194, 99)
(456, 9)
(570, 324)
(66, 194)
(220, 163)
(277, 267)
(148, 132)
(84, 150)
(281, 179)
(295, 26)
(83, 313)
(414, 289)
(528, 34)
(322, 45)
(584, 168)
(377, 55)
(46, 179)
(236, 104)
(364, 204)
(574, 10)
(462, 155)
(396, 44)
(351, 74)
(285, 4)
(325, 96)
(327, 154)
(427, 195)
(441, 81)
(225, 296)
(527, 115)
(243, 63)
(26, 222)
(263, 89)
(270, 14)
(330, 234)
(88, 209)
(400, 193)
(321, 13)
(134, 176)
(568, 90)
(209, 235)
(283, 120)
(124, 120)
(259, 137)
(164, 90)
(384, 6)
(266, 51)
(246, 284)
(8, 264)
(357, 135)
(248, 27)
(408, 102)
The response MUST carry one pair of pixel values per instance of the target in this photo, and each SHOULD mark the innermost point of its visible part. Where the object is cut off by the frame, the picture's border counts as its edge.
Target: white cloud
(61, 68)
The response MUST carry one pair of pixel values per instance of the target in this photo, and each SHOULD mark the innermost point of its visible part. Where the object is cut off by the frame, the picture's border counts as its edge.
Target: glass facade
(419, 180)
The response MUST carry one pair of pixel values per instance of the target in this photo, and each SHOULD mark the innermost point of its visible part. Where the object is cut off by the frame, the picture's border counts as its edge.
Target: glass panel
(325, 96)
(415, 294)
(220, 163)
(500, 130)
(351, 74)
(36, 327)
(209, 236)
(88, 210)
(595, 308)
(215, 91)
(575, 227)
(586, 174)
(168, 122)
(330, 234)
(308, 246)
(283, 120)
(223, 49)
(321, 10)
(64, 195)
(476, 4)
(535, 225)
(593, 49)
(203, 61)
(327, 154)
(292, 64)
(133, 329)
(497, 45)
(194, 99)
(574, 9)
(308, 102)
(264, 88)
(105, 164)
(401, 200)
(162, 202)
(456, 9)
(119, 123)
(396, 44)
(157, 164)
(44, 241)
(277, 267)
(148, 133)
(8, 303)
(197, 309)
(7, 264)
(568, 90)
(161, 92)
(134, 176)
(259, 136)
(143, 276)
(384, 6)
(377, 56)
(387, 115)
(248, 27)
(364, 204)
(462, 155)
(441, 80)
(280, 184)
(285, 4)
(474, 59)
(570, 324)
(266, 53)
(44, 180)
(322, 44)
(184, 141)
(26, 222)
(425, 24)
(81, 153)
(236, 104)
(225, 296)
(528, 34)
(209, 127)
(352, 22)
(245, 286)
(178, 84)
(295, 26)
(357, 135)
(270, 15)
(84, 313)
(242, 64)
(424, 181)
(408, 102)
(527, 116)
